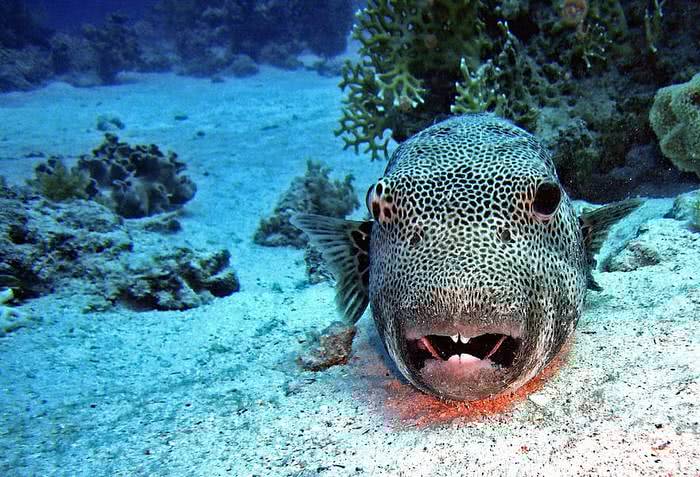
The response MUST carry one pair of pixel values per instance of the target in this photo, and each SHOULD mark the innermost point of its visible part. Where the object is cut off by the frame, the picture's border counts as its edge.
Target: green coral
(422, 61)
(56, 182)
(675, 118)
(411, 53)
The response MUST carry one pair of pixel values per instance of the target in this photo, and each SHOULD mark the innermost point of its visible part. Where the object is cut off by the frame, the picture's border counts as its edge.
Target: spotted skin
(457, 244)
(475, 263)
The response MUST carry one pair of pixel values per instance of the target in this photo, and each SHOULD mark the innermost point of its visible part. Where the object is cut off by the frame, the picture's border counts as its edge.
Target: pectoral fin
(344, 245)
(595, 226)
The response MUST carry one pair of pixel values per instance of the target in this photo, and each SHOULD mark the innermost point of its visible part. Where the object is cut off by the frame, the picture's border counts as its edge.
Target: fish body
(475, 262)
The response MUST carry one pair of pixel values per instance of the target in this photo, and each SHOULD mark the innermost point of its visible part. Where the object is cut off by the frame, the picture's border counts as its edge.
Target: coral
(136, 181)
(652, 25)
(180, 280)
(209, 33)
(314, 193)
(421, 61)
(115, 45)
(675, 118)
(329, 348)
(507, 84)
(56, 182)
(82, 247)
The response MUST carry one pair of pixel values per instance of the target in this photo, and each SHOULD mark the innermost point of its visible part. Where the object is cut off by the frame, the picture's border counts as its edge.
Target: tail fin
(344, 245)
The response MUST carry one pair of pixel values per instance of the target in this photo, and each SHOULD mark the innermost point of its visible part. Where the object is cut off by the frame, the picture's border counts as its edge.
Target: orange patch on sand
(413, 408)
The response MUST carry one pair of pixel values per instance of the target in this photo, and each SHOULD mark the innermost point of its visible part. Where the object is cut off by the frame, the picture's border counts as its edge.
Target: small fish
(475, 263)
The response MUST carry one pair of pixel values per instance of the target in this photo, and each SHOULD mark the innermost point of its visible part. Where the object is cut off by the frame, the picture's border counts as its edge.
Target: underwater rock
(136, 181)
(23, 69)
(686, 207)
(328, 67)
(280, 55)
(82, 247)
(658, 242)
(331, 347)
(314, 193)
(10, 318)
(180, 280)
(45, 244)
(109, 122)
(635, 255)
(242, 66)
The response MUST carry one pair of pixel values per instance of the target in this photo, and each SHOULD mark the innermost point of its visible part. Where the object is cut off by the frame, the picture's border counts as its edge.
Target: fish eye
(547, 198)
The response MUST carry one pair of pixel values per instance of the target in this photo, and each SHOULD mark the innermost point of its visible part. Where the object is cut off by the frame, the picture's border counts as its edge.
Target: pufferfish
(474, 262)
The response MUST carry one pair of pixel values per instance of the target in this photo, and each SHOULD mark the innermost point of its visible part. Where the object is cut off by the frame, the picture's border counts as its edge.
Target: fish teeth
(455, 338)
(464, 339)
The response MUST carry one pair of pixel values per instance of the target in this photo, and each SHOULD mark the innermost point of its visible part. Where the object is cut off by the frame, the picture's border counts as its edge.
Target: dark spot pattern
(472, 227)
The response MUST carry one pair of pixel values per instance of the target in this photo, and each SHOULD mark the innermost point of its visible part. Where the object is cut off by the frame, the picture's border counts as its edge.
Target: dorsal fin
(344, 245)
(595, 225)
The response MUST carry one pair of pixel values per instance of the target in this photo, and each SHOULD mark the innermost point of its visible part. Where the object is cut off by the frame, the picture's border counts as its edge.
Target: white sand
(214, 391)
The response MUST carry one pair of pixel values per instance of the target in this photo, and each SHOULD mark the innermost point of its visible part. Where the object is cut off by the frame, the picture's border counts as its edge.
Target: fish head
(477, 270)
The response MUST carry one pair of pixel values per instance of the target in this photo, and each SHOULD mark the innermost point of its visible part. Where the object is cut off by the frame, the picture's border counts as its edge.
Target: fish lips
(463, 362)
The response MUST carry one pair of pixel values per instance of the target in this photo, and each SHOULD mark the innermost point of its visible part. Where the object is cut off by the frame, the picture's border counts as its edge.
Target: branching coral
(421, 61)
(411, 54)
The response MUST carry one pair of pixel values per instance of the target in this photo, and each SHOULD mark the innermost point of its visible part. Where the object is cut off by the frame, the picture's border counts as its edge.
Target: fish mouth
(465, 364)
(494, 349)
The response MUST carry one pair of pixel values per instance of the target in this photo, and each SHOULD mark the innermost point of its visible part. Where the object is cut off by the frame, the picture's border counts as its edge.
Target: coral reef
(314, 193)
(208, 34)
(567, 70)
(331, 347)
(675, 118)
(136, 181)
(83, 248)
(115, 47)
(18, 27)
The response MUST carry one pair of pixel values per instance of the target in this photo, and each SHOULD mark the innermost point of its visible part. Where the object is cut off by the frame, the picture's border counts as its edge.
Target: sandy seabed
(215, 391)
